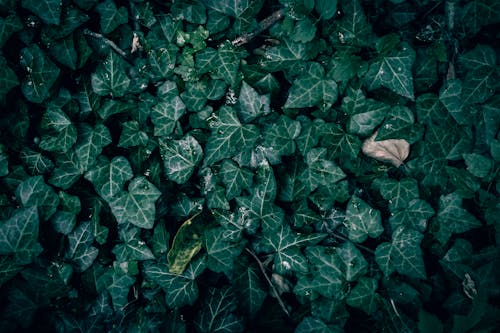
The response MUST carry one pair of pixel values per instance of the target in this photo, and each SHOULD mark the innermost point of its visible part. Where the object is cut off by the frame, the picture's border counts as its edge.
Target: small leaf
(80, 249)
(363, 296)
(362, 220)
(111, 16)
(393, 151)
(221, 251)
(251, 104)
(180, 157)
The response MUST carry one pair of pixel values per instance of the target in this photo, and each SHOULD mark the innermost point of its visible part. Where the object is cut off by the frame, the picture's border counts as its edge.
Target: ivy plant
(249, 165)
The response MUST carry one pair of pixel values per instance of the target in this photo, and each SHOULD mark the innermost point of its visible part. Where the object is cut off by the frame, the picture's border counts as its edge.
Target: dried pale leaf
(394, 151)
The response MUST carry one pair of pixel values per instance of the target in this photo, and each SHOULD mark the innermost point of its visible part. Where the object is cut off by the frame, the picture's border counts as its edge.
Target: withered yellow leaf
(394, 151)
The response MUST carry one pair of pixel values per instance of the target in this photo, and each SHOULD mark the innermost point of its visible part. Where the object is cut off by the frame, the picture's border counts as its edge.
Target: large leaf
(394, 72)
(312, 89)
(328, 276)
(180, 157)
(363, 296)
(403, 254)
(137, 206)
(286, 246)
(221, 251)
(48, 10)
(19, 236)
(453, 218)
(228, 136)
(249, 287)
(110, 177)
(216, 314)
(222, 63)
(110, 77)
(41, 74)
(235, 179)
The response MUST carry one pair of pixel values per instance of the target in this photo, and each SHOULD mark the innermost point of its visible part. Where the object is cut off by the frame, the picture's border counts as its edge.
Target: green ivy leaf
(415, 215)
(249, 287)
(221, 252)
(311, 324)
(60, 134)
(228, 136)
(394, 72)
(478, 165)
(353, 28)
(251, 104)
(48, 10)
(235, 179)
(41, 74)
(399, 193)
(286, 246)
(365, 114)
(403, 254)
(9, 26)
(222, 63)
(132, 136)
(312, 89)
(90, 143)
(180, 157)
(119, 289)
(217, 313)
(364, 296)
(320, 170)
(34, 192)
(19, 237)
(362, 220)
(279, 137)
(8, 79)
(109, 177)
(110, 77)
(80, 250)
(35, 162)
(137, 206)
(326, 8)
(452, 218)
(111, 16)
(327, 278)
(180, 290)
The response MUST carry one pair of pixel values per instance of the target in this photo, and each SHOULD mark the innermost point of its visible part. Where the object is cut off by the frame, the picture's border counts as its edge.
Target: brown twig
(275, 292)
(263, 25)
(107, 41)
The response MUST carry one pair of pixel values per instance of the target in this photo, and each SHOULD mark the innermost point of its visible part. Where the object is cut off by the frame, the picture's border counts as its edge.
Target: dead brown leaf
(394, 151)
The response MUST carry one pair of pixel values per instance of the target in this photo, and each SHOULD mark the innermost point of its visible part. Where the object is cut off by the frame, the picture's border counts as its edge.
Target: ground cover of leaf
(249, 166)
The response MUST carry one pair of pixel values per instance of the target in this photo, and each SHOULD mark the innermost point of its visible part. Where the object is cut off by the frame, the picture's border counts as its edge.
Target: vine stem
(263, 25)
(107, 41)
(275, 292)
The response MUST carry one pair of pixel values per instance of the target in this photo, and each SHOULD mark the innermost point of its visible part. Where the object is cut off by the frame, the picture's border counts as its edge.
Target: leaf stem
(107, 41)
(275, 292)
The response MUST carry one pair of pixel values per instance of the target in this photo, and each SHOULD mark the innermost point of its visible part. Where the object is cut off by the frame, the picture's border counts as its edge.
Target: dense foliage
(198, 165)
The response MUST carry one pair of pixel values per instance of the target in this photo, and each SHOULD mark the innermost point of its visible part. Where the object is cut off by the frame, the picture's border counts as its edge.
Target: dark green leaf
(19, 236)
(251, 104)
(90, 143)
(8, 78)
(363, 296)
(221, 252)
(109, 177)
(452, 218)
(403, 254)
(80, 250)
(228, 136)
(394, 72)
(41, 74)
(33, 192)
(180, 157)
(362, 220)
(111, 16)
(137, 206)
(48, 10)
(110, 77)
(235, 179)
(312, 89)
(216, 314)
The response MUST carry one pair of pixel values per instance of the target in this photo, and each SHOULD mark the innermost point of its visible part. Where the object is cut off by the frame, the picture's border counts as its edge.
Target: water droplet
(399, 69)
